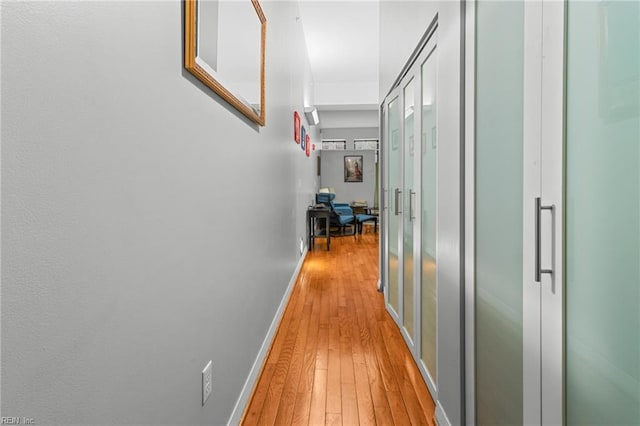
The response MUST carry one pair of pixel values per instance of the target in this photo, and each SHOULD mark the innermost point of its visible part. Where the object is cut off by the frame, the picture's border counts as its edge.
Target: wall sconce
(312, 116)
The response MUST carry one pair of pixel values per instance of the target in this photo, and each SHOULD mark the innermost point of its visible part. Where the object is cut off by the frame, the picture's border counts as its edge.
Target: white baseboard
(441, 416)
(245, 394)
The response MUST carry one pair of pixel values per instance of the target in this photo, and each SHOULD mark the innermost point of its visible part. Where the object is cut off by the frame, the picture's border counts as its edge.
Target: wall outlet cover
(207, 382)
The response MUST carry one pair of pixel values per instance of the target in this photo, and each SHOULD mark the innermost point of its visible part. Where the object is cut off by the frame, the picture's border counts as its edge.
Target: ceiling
(343, 43)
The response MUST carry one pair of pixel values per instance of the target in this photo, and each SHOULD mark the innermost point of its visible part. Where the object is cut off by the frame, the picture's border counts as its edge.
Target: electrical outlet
(207, 382)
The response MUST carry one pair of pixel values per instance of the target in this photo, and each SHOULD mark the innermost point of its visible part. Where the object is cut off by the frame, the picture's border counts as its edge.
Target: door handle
(411, 195)
(538, 267)
(383, 199)
(397, 202)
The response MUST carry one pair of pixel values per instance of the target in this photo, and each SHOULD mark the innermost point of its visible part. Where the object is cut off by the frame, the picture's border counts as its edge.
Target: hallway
(338, 357)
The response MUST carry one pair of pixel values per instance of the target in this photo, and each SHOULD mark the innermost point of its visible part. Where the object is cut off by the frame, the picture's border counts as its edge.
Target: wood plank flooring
(338, 358)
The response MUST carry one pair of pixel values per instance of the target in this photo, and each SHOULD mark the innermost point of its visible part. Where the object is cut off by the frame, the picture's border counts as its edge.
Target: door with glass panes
(557, 213)
(410, 188)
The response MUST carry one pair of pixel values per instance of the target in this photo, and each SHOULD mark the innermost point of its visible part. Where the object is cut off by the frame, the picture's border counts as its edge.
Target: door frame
(543, 222)
(411, 73)
(429, 48)
(390, 208)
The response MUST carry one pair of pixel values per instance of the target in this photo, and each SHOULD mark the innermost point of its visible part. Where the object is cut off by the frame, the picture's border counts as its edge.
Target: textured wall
(146, 226)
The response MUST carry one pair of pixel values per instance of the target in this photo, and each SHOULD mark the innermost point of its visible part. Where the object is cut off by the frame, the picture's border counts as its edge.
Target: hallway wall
(147, 227)
(332, 165)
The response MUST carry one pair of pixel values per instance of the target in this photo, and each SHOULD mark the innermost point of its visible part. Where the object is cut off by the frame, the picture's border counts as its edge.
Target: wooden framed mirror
(225, 49)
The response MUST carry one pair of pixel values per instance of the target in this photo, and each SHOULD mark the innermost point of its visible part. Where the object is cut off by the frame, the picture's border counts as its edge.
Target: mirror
(225, 49)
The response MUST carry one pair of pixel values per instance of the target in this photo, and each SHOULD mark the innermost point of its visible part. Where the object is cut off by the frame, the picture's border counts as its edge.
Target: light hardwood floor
(338, 357)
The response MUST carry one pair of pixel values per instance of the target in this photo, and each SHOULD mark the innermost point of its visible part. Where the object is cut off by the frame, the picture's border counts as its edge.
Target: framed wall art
(296, 127)
(353, 168)
(224, 48)
(303, 138)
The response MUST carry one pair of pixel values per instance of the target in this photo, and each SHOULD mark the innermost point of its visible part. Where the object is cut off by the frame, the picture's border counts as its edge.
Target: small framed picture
(296, 127)
(307, 145)
(353, 168)
(303, 138)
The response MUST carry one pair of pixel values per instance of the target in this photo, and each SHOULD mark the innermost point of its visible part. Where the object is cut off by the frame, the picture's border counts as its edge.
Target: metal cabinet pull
(411, 195)
(383, 199)
(397, 202)
(538, 268)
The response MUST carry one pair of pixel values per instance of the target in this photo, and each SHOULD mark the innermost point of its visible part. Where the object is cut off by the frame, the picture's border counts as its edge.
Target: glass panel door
(429, 219)
(393, 198)
(602, 369)
(409, 209)
(499, 213)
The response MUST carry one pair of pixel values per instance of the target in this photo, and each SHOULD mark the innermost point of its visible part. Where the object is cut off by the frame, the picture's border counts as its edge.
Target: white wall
(402, 24)
(147, 227)
(340, 119)
(346, 93)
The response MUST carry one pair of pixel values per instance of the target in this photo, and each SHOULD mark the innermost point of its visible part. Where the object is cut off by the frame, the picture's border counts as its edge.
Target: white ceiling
(343, 43)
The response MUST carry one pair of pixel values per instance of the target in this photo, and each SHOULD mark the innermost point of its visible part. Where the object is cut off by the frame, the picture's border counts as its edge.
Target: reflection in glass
(393, 177)
(499, 194)
(603, 214)
(429, 163)
(408, 197)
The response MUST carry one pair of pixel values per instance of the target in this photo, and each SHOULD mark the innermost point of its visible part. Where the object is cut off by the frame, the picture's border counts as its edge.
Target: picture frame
(303, 138)
(307, 145)
(353, 168)
(205, 28)
(296, 127)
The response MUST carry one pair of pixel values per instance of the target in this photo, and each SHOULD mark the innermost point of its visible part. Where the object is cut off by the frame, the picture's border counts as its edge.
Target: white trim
(531, 128)
(431, 384)
(441, 416)
(469, 209)
(429, 51)
(382, 204)
(405, 83)
(247, 389)
(552, 192)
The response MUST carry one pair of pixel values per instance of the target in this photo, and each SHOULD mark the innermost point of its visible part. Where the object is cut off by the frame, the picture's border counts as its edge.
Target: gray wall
(332, 170)
(146, 226)
(332, 165)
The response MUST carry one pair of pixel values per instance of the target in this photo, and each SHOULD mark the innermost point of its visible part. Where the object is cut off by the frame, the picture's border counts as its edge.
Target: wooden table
(313, 214)
(358, 208)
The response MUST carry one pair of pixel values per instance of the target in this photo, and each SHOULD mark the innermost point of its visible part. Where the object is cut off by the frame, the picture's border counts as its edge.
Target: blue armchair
(341, 214)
